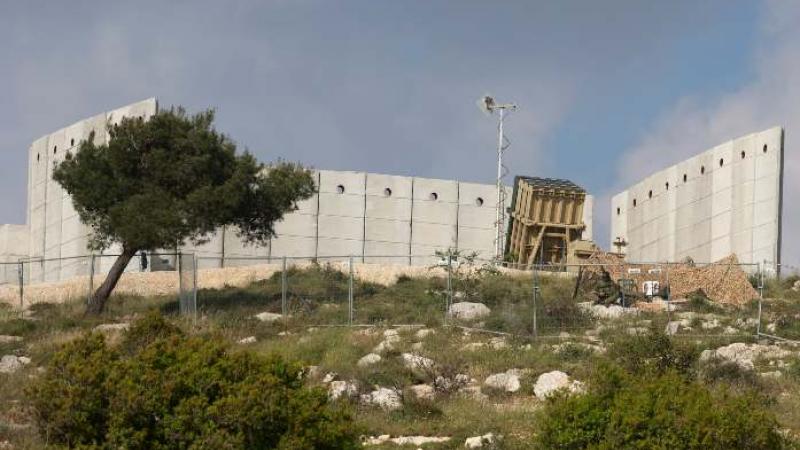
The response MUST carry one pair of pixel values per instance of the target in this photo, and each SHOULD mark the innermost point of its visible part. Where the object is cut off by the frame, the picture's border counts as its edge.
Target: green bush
(666, 411)
(164, 390)
(653, 352)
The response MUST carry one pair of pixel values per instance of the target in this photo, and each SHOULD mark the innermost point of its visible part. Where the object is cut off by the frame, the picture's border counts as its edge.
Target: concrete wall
(722, 201)
(375, 218)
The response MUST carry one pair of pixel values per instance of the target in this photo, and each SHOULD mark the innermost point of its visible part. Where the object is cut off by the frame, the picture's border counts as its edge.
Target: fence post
(535, 289)
(283, 290)
(760, 296)
(91, 279)
(21, 275)
(669, 297)
(350, 295)
(449, 299)
(194, 287)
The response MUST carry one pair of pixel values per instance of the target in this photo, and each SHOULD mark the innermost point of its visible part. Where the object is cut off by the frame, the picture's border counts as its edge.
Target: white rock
(637, 331)
(672, 327)
(507, 381)
(417, 362)
(550, 382)
(5, 339)
(342, 389)
(388, 343)
(385, 398)
(391, 332)
(480, 441)
(416, 346)
(112, 327)
(744, 354)
(368, 360)
(472, 346)
(606, 312)
(248, 340)
(268, 316)
(469, 310)
(498, 343)
(11, 363)
(710, 325)
(730, 330)
(423, 391)
(423, 333)
(405, 440)
(330, 376)
(445, 384)
(772, 327)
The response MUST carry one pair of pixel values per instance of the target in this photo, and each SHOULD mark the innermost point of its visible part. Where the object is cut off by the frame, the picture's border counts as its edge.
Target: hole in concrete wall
(387, 192)
(479, 201)
(634, 203)
(650, 194)
(433, 196)
(721, 162)
(37, 157)
(666, 185)
(684, 178)
(72, 142)
(702, 170)
(340, 189)
(55, 148)
(765, 148)
(618, 210)
(743, 154)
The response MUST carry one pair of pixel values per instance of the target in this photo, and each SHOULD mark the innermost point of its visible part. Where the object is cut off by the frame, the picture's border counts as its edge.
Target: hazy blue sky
(608, 90)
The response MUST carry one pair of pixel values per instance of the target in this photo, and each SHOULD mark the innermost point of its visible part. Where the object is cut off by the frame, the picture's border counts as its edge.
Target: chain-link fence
(446, 289)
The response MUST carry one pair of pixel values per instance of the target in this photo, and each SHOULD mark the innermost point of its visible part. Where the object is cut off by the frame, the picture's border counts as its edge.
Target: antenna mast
(488, 105)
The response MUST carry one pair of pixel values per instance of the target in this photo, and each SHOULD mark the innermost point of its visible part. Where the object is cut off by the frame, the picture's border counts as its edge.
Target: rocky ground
(428, 384)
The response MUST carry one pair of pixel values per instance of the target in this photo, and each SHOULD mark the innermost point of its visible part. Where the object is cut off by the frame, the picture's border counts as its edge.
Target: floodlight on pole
(488, 105)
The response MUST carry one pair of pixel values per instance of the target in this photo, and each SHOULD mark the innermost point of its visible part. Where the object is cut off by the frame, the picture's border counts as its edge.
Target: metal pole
(535, 289)
(283, 290)
(91, 279)
(449, 298)
(500, 194)
(21, 275)
(669, 297)
(194, 287)
(179, 266)
(350, 295)
(760, 296)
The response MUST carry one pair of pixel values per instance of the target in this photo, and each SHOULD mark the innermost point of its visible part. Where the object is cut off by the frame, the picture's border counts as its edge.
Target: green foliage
(666, 411)
(728, 372)
(173, 391)
(653, 352)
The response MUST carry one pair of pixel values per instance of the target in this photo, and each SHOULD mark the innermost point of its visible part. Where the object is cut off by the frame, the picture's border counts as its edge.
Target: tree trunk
(98, 302)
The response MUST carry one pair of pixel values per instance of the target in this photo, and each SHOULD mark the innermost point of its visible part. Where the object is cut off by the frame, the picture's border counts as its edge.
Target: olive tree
(171, 179)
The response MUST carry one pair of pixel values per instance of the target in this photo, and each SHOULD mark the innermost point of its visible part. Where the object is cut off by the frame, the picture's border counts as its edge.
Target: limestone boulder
(469, 310)
(549, 383)
(369, 359)
(342, 389)
(384, 398)
(507, 381)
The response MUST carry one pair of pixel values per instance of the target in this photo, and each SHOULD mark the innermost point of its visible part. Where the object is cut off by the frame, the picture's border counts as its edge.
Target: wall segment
(725, 200)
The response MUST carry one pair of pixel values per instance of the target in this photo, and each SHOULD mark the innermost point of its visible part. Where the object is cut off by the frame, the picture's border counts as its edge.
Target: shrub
(653, 353)
(168, 390)
(666, 411)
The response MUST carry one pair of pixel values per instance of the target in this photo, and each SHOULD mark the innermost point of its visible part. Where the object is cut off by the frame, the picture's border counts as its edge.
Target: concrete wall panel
(728, 202)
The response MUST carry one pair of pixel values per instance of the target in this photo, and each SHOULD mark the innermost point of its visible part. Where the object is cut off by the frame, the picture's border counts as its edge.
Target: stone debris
(498, 343)
(507, 381)
(368, 360)
(473, 346)
(567, 346)
(330, 376)
(710, 325)
(606, 312)
(5, 339)
(469, 310)
(445, 384)
(404, 440)
(417, 362)
(423, 333)
(248, 340)
(423, 391)
(112, 327)
(342, 389)
(486, 440)
(390, 338)
(672, 327)
(385, 398)
(11, 363)
(551, 382)
(745, 354)
(268, 316)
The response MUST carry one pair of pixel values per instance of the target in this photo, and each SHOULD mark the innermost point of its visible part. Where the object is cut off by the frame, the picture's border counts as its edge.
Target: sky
(607, 91)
